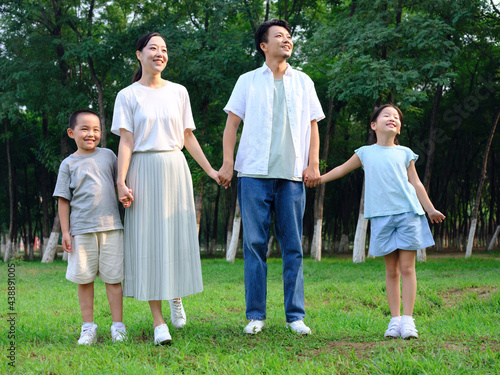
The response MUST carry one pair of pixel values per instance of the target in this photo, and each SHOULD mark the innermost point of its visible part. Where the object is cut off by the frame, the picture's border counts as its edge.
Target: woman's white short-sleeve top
(156, 117)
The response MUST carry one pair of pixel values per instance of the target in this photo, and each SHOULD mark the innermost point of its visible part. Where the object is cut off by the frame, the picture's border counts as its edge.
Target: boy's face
(87, 133)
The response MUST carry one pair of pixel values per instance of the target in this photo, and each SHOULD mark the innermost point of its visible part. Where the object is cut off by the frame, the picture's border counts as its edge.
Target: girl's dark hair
(139, 46)
(261, 35)
(74, 117)
(372, 137)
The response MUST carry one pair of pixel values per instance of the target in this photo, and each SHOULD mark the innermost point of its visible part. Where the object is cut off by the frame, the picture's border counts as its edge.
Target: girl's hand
(436, 216)
(125, 195)
(215, 175)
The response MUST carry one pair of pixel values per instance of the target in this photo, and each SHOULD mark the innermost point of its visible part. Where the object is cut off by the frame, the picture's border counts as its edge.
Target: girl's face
(387, 122)
(153, 56)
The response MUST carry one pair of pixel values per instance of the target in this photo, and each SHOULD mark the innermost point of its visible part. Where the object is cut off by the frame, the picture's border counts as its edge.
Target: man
(277, 153)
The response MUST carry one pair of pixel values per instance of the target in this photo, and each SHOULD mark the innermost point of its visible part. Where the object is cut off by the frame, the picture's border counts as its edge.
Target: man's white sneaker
(88, 335)
(408, 329)
(162, 335)
(394, 329)
(177, 313)
(299, 327)
(255, 326)
(118, 332)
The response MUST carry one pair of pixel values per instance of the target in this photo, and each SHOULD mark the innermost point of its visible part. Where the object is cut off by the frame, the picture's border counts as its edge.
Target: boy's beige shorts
(94, 255)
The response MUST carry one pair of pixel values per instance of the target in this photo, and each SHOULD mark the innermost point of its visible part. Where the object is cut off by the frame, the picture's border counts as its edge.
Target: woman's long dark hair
(372, 137)
(139, 46)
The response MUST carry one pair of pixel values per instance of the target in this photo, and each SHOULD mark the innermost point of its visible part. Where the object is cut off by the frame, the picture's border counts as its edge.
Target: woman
(154, 120)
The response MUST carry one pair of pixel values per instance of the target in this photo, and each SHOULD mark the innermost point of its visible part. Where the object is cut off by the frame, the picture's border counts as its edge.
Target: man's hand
(226, 175)
(311, 176)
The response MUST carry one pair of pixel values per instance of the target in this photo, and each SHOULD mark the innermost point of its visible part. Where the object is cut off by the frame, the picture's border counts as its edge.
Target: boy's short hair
(74, 117)
(261, 35)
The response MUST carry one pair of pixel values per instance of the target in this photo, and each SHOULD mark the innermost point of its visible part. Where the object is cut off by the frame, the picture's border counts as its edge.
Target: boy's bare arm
(63, 207)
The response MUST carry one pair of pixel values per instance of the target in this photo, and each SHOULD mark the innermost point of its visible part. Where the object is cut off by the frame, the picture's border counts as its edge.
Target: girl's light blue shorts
(407, 231)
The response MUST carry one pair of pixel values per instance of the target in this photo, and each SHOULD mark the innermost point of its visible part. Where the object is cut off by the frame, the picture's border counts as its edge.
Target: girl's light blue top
(387, 189)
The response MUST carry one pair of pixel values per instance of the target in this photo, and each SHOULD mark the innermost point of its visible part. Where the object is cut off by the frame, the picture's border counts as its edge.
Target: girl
(154, 120)
(394, 197)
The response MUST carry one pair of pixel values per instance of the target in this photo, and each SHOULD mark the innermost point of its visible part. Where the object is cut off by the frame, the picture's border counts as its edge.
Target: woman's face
(153, 56)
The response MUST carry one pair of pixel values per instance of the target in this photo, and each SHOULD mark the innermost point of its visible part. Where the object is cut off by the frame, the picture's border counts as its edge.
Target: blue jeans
(258, 199)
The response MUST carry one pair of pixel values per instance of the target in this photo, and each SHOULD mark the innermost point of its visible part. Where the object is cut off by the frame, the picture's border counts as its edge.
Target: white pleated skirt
(161, 250)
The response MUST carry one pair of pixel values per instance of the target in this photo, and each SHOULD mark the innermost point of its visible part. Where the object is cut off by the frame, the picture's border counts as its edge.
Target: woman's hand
(215, 175)
(125, 195)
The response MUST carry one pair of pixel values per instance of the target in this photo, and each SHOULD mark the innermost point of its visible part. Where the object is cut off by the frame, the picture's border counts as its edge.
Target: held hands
(225, 175)
(125, 195)
(436, 216)
(214, 174)
(311, 176)
(66, 242)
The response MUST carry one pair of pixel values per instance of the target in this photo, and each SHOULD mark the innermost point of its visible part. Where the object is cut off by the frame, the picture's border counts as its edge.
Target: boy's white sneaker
(255, 326)
(299, 327)
(408, 329)
(118, 332)
(394, 329)
(162, 335)
(88, 335)
(177, 313)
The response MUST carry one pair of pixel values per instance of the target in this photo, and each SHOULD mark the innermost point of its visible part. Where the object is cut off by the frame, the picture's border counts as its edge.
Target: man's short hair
(74, 117)
(262, 33)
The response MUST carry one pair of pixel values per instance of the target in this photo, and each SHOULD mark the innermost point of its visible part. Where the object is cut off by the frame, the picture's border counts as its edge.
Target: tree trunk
(358, 252)
(491, 245)
(270, 246)
(50, 250)
(213, 241)
(230, 219)
(232, 248)
(422, 253)
(344, 243)
(198, 204)
(319, 196)
(10, 249)
(473, 224)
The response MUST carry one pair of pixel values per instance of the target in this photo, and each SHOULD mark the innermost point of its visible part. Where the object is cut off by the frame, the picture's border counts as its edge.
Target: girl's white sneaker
(394, 329)
(408, 329)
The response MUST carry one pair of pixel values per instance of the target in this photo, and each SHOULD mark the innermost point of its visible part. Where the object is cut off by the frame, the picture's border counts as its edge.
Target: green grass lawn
(457, 314)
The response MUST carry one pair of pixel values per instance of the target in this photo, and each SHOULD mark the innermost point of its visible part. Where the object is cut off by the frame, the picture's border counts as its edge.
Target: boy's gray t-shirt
(88, 182)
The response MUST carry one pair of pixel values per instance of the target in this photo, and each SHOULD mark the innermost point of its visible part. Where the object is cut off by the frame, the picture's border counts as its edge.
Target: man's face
(279, 43)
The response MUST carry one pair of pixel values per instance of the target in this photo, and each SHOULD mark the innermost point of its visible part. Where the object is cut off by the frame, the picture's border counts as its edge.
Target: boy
(93, 233)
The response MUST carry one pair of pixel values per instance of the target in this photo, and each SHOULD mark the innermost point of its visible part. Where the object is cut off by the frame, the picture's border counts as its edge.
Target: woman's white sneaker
(177, 313)
(162, 335)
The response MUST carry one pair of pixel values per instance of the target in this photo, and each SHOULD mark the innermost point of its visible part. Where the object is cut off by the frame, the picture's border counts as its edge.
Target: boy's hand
(66, 242)
(125, 195)
(436, 216)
